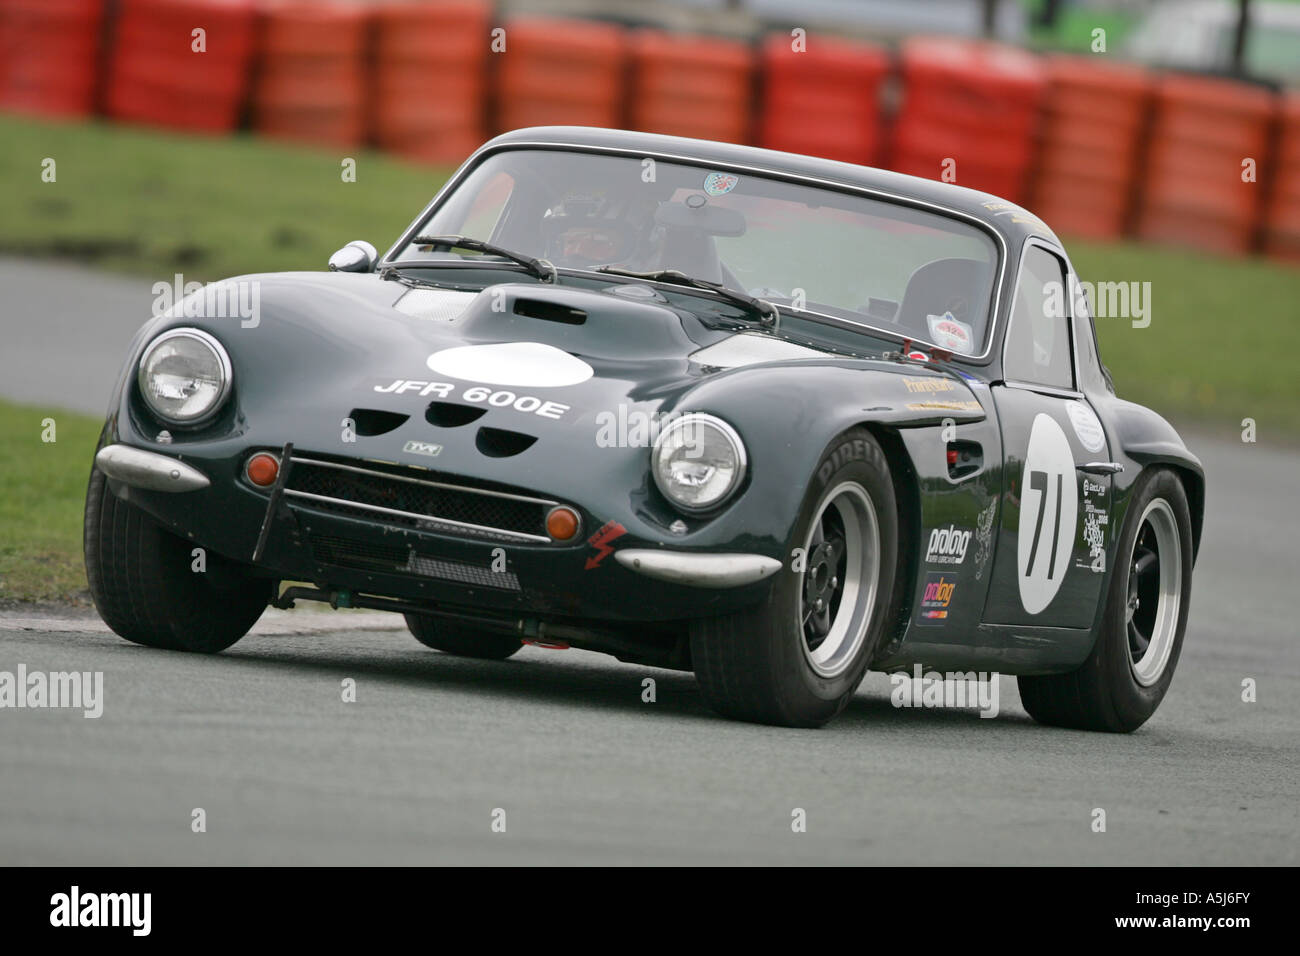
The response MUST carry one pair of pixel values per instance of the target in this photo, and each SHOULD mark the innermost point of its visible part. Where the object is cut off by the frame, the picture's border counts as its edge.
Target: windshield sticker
(948, 333)
(719, 184)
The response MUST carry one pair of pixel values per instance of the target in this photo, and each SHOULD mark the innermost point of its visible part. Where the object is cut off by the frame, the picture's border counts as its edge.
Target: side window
(1091, 377)
(1038, 341)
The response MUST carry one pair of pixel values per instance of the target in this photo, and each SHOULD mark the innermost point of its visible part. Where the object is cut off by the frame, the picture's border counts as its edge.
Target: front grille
(398, 497)
(397, 559)
(352, 554)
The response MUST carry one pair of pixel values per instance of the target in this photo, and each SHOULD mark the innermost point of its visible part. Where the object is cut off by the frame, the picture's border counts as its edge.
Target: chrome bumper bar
(147, 469)
(699, 570)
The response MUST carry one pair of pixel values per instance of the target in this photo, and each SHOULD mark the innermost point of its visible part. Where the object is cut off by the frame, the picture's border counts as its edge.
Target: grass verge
(42, 490)
(1222, 340)
(155, 203)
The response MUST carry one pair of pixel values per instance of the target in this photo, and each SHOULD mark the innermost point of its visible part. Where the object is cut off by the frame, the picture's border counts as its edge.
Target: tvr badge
(427, 448)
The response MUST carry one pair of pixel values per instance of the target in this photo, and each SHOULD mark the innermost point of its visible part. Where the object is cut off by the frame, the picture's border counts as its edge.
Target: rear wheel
(1141, 635)
(144, 585)
(452, 637)
(796, 659)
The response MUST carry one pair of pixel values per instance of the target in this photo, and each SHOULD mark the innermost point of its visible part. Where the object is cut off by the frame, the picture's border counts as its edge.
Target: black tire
(754, 665)
(1105, 694)
(142, 584)
(452, 637)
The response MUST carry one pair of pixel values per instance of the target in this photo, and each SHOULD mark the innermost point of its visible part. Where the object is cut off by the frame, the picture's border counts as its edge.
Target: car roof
(1012, 221)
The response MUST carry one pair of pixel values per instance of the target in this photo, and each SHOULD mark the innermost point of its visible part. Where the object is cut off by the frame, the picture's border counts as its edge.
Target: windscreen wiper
(767, 312)
(541, 268)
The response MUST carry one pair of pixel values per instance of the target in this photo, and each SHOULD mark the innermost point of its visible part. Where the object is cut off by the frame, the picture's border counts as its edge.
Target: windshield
(919, 274)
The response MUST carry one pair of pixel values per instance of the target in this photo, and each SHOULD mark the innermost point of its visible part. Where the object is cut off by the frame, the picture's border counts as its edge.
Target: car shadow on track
(613, 686)
(589, 682)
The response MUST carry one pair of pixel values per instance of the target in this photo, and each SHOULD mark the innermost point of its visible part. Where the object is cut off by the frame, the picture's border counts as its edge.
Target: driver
(590, 244)
(584, 233)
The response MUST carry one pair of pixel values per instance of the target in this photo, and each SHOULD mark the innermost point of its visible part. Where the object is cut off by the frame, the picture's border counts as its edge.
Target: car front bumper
(300, 538)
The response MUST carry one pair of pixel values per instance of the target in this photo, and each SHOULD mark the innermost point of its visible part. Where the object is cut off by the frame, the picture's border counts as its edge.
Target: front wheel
(796, 659)
(1141, 634)
(145, 586)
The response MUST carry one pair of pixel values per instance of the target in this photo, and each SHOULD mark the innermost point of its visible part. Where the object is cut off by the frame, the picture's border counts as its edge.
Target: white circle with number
(1049, 503)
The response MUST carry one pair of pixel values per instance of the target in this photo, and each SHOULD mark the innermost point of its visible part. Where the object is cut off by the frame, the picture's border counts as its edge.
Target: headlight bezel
(223, 361)
(731, 436)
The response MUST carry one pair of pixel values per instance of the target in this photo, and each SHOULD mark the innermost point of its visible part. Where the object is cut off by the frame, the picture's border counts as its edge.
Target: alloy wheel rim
(1153, 592)
(837, 590)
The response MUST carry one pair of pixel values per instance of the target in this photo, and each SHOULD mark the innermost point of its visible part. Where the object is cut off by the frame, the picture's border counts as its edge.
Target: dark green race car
(772, 419)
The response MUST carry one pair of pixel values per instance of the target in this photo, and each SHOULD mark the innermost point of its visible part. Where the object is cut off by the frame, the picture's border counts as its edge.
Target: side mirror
(356, 256)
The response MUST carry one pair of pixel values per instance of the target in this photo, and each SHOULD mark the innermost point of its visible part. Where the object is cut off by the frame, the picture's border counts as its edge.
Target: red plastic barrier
(1087, 167)
(822, 100)
(162, 74)
(691, 86)
(49, 53)
(311, 82)
(1282, 218)
(971, 102)
(1193, 190)
(430, 78)
(561, 72)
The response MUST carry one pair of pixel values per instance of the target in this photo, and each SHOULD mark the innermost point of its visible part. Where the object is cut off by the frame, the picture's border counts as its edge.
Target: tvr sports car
(773, 419)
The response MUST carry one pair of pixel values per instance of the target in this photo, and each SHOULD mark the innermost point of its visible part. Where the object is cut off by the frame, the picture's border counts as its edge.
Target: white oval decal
(522, 364)
(1049, 503)
(1086, 426)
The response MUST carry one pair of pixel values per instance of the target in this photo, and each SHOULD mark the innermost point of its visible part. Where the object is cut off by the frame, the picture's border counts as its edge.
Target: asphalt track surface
(586, 771)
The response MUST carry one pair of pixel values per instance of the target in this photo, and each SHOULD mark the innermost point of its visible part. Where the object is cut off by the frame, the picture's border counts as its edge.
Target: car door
(1050, 563)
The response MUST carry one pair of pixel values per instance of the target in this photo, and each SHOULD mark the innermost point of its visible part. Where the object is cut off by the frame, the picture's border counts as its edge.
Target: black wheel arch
(907, 497)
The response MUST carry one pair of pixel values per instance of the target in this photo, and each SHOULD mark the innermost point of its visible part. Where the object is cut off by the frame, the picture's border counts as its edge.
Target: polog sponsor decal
(1049, 503)
(1086, 426)
(936, 598)
(947, 546)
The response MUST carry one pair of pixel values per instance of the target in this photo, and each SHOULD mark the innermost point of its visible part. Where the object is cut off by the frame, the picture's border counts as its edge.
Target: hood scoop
(571, 320)
(550, 311)
(750, 348)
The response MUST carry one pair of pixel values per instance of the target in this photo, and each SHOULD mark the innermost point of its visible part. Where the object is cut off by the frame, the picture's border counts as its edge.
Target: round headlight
(184, 376)
(698, 461)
